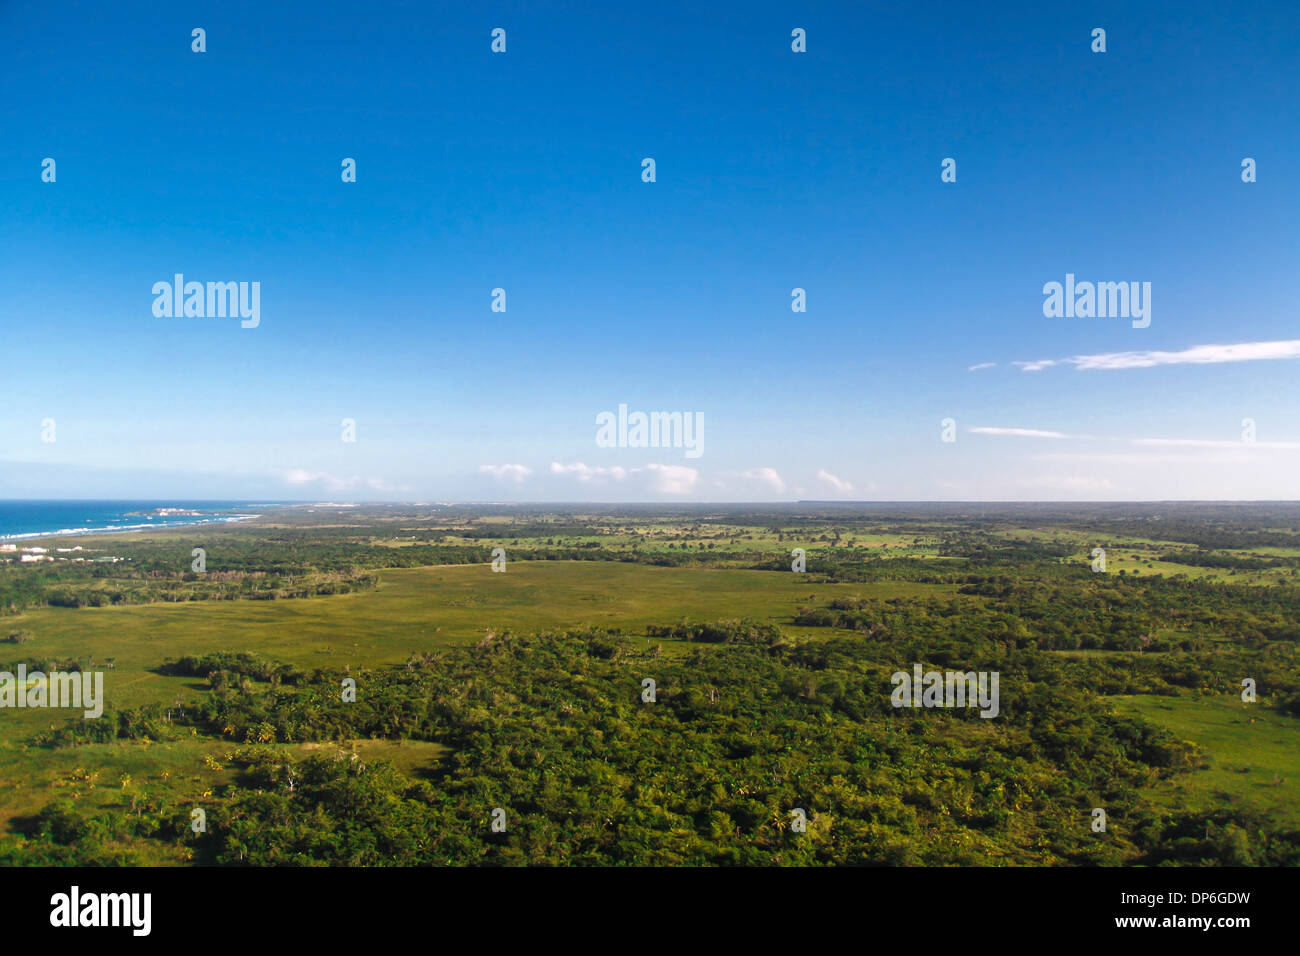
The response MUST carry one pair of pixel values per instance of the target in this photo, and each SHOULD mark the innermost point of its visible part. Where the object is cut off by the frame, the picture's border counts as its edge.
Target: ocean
(39, 519)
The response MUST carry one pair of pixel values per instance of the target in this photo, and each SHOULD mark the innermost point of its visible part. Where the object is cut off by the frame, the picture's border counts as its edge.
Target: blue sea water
(38, 519)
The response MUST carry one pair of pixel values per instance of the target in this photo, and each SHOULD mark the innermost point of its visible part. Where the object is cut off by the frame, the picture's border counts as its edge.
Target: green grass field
(1254, 753)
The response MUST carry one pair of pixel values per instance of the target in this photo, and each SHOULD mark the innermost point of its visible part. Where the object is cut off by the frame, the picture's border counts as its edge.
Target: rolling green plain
(411, 610)
(899, 586)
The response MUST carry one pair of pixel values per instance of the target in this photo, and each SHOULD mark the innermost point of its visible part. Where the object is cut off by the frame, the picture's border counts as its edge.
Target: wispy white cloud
(766, 476)
(300, 477)
(1222, 443)
(515, 473)
(665, 479)
(1037, 366)
(1213, 443)
(585, 473)
(839, 484)
(980, 365)
(673, 479)
(1196, 355)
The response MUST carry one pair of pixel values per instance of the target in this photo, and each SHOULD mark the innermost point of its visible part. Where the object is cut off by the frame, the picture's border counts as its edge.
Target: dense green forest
(553, 730)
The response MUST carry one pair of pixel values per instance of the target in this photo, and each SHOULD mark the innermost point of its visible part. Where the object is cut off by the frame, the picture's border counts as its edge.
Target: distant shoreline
(113, 529)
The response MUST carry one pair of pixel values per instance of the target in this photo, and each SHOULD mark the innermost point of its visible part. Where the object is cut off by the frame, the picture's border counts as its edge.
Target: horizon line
(669, 503)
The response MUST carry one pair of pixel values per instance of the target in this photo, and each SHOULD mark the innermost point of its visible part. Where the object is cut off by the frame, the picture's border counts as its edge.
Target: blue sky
(774, 170)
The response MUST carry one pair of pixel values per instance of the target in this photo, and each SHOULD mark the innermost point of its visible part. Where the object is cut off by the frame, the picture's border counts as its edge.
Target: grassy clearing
(1254, 753)
(417, 608)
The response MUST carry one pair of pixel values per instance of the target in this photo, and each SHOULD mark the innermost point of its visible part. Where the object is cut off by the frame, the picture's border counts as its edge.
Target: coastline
(113, 529)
